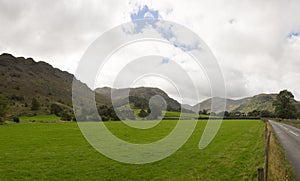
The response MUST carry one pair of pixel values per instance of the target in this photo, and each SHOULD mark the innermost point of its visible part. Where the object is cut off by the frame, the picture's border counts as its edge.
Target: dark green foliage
(261, 114)
(266, 114)
(254, 113)
(17, 98)
(35, 105)
(143, 113)
(104, 111)
(3, 107)
(204, 111)
(55, 109)
(105, 118)
(114, 116)
(284, 105)
(65, 116)
(16, 119)
(107, 113)
(139, 102)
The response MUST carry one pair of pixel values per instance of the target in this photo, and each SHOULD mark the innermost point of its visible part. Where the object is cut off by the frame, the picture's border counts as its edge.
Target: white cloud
(250, 39)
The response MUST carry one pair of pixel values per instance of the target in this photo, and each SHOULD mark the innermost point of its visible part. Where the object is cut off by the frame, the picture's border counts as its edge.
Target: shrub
(16, 119)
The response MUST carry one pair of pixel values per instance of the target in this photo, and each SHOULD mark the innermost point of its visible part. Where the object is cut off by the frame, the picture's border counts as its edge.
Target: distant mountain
(218, 102)
(138, 97)
(259, 102)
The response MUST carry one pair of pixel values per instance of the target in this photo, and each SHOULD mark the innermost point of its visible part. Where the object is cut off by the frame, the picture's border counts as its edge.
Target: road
(289, 137)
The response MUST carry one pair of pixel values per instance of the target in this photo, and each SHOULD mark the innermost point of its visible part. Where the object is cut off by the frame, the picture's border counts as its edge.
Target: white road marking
(283, 127)
(294, 133)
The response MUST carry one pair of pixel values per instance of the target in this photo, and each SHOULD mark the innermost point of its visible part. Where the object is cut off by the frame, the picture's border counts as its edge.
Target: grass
(58, 151)
(171, 114)
(292, 123)
(279, 167)
(50, 117)
(177, 114)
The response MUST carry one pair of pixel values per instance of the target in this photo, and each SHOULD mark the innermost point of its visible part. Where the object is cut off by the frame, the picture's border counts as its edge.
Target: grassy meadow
(39, 118)
(58, 151)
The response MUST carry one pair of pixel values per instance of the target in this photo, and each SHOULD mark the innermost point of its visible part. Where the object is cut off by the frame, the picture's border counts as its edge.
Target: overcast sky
(256, 43)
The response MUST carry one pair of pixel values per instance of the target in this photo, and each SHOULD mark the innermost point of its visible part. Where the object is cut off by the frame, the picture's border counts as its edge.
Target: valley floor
(58, 151)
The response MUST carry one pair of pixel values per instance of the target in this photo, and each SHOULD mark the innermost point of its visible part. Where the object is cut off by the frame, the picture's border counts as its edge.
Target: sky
(256, 43)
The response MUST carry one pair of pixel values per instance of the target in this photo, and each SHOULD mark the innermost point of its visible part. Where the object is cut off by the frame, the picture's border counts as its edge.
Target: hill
(23, 79)
(260, 102)
(139, 97)
(218, 102)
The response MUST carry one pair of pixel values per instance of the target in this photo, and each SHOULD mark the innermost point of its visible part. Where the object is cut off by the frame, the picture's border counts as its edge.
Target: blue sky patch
(165, 61)
(143, 17)
(293, 34)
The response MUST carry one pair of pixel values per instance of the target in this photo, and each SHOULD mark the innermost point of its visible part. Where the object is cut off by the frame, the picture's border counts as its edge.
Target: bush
(3, 106)
(35, 105)
(143, 113)
(16, 119)
(55, 109)
(65, 116)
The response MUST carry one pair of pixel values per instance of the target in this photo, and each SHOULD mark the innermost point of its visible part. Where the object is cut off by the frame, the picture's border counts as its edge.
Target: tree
(65, 116)
(16, 119)
(284, 105)
(254, 113)
(35, 105)
(142, 113)
(55, 109)
(107, 113)
(3, 107)
(204, 111)
(266, 114)
(224, 114)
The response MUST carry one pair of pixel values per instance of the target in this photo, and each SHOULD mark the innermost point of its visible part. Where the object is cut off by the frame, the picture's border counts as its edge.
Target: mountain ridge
(23, 79)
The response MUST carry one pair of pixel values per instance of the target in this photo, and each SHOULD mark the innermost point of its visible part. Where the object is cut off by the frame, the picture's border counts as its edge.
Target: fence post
(266, 130)
(267, 156)
(260, 174)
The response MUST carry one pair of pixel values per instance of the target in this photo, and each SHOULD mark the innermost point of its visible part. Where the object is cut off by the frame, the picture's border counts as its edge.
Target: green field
(39, 118)
(58, 151)
(177, 114)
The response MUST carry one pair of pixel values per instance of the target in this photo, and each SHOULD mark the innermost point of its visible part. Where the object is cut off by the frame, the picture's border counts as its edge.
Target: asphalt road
(289, 137)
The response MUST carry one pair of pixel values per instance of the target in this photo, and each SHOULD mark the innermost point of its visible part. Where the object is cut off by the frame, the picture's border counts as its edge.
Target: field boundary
(277, 166)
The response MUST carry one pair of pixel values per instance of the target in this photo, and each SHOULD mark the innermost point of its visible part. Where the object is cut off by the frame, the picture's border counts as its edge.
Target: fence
(262, 173)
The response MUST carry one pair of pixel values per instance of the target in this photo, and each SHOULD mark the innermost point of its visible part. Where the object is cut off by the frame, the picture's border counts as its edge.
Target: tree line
(284, 105)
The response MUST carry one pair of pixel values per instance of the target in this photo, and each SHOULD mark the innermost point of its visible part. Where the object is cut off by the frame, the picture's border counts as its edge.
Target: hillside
(260, 102)
(23, 79)
(139, 97)
(218, 102)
